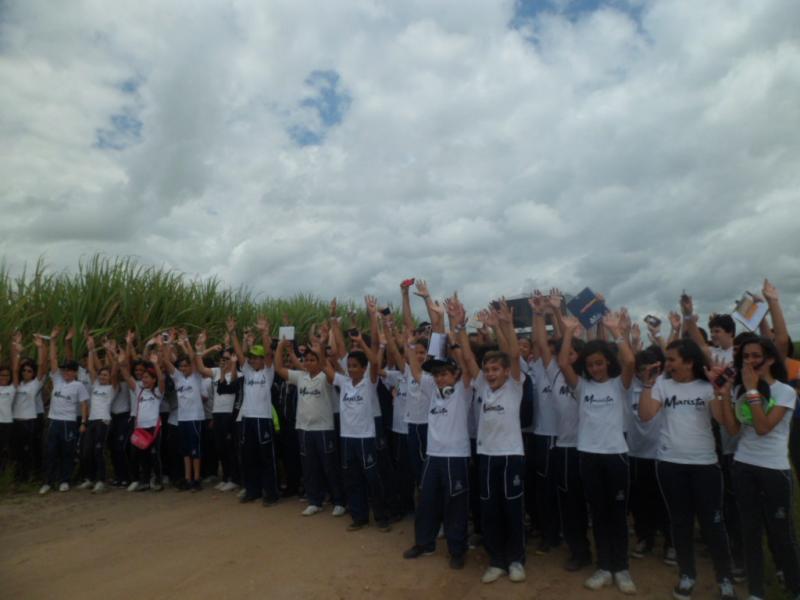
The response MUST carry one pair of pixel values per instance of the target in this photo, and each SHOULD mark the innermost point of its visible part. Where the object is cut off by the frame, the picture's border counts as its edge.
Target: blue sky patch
(527, 11)
(125, 130)
(324, 107)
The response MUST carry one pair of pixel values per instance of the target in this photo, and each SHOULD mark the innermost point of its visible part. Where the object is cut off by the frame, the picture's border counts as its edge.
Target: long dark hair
(598, 347)
(770, 350)
(689, 351)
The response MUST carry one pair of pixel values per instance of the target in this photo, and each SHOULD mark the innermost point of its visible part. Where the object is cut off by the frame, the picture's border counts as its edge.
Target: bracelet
(619, 340)
(688, 317)
(455, 346)
(458, 328)
(754, 402)
(753, 392)
(647, 387)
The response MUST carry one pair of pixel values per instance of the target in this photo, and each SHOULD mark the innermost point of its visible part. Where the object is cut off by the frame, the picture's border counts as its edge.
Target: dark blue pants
(23, 432)
(118, 440)
(546, 489)
(474, 488)
(417, 448)
(402, 467)
(647, 504)
(62, 439)
(386, 466)
(572, 502)
(148, 462)
(444, 499)
(318, 454)
(258, 458)
(502, 508)
(362, 480)
(224, 432)
(606, 483)
(93, 445)
(191, 436)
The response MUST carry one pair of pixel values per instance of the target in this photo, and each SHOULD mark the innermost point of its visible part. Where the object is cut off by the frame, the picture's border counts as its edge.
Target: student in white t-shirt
(687, 468)
(762, 478)
(103, 389)
(191, 414)
(27, 427)
(9, 379)
(147, 394)
(68, 401)
(444, 496)
(500, 450)
(257, 431)
(357, 399)
(561, 461)
(600, 380)
(314, 425)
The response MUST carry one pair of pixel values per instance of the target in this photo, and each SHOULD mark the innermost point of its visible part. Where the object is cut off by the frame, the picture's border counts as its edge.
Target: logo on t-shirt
(674, 402)
(354, 398)
(493, 408)
(591, 399)
(304, 391)
(439, 410)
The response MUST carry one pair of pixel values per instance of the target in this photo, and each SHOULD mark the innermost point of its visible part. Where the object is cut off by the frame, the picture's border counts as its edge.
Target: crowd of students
(524, 436)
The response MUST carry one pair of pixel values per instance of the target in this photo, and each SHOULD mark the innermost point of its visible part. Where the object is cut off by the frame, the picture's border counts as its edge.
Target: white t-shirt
(207, 394)
(448, 433)
(499, 432)
(601, 416)
(66, 398)
(133, 397)
(190, 396)
(643, 436)
(686, 434)
(223, 403)
(396, 382)
(418, 396)
(770, 451)
(100, 402)
(355, 406)
(85, 379)
(546, 411)
(257, 402)
(148, 403)
(121, 403)
(568, 410)
(25, 399)
(7, 393)
(314, 412)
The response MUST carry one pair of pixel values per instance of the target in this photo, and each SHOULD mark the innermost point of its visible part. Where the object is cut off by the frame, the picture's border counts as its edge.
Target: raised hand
(372, 304)
(504, 314)
(636, 335)
(201, 339)
(437, 308)
(674, 320)
(56, 331)
(555, 298)
(230, 324)
(154, 358)
(89, 342)
(687, 306)
(226, 340)
(422, 289)
(70, 334)
(38, 340)
(611, 321)
(537, 301)
(130, 337)
(262, 324)
(770, 292)
(333, 307)
(650, 373)
(571, 322)
(487, 318)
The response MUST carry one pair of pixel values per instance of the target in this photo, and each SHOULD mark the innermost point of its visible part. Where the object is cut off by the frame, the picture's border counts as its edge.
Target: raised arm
(91, 364)
(125, 370)
(374, 358)
(571, 327)
(16, 351)
(648, 406)
(690, 323)
(280, 368)
(230, 325)
(393, 351)
(626, 357)
(162, 385)
(505, 317)
(263, 327)
(408, 319)
(538, 326)
(200, 351)
(458, 316)
(54, 349)
(435, 310)
(781, 331)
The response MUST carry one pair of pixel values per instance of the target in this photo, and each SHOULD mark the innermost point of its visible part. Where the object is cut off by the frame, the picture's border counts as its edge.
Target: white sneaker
(624, 582)
(85, 485)
(156, 487)
(440, 535)
(671, 557)
(133, 487)
(219, 486)
(684, 589)
(44, 489)
(338, 510)
(164, 480)
(492, 574)
(98, 487)
(64, 487)
(311, 510)
(228, 487)
(242, 493)
(516, 572)
(599, 579)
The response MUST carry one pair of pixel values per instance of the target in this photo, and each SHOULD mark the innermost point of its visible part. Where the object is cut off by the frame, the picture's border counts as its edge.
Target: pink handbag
(142, 438)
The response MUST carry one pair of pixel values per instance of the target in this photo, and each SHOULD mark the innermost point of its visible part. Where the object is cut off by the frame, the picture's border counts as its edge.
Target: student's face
(5, 377)
(421, 352)
(597, 367)
(104, 377)
(495, 373)
(257, 362)
(224, 360)
(721, 338)
(185, 368)
(138, 371)
(148, 381)
(355, 370)
(753, 355)
(677, 368)
(27, 373)
(444, 378)
(573, 356)
(311, 363)
(69, 375)
(525, 347)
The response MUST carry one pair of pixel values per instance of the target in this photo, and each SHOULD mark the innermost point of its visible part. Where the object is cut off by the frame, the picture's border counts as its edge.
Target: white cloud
(638, 157)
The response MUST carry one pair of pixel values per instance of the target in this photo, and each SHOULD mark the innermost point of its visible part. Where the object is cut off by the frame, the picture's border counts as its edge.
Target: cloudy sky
(636, 146)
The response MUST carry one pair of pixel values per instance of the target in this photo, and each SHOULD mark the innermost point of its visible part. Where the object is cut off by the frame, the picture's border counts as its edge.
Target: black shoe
(384, 526)
(739, 574)
(396, 518)
(247, 499)
(269, 502)
(457, 562)
(543, 548)
(416, 551)
(182, 485)
(196, 486)
(289, 492)
(576, 563)
(357, 525)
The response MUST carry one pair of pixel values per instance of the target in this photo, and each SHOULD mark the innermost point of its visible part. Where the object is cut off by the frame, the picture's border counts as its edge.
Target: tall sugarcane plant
(111, 295)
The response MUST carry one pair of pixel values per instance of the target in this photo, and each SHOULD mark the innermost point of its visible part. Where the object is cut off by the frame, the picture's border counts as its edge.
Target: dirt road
(202, 546)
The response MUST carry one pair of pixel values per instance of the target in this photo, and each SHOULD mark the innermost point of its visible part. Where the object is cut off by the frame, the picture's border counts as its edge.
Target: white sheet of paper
(754, 316)
(437, 346)
(286, 333)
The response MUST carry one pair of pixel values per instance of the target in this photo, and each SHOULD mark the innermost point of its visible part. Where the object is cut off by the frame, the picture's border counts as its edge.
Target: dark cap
(69, 365)
(432, 364)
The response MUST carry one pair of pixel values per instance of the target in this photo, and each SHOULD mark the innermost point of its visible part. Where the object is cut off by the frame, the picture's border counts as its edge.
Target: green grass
(111, 295)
